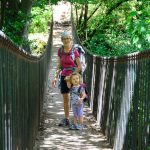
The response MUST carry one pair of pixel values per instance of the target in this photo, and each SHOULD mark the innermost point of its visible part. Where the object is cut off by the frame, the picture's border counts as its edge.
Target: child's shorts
(63, 86)
(77, 110)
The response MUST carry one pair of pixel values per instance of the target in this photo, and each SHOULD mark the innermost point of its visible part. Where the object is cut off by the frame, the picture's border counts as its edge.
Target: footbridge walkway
(118, 116)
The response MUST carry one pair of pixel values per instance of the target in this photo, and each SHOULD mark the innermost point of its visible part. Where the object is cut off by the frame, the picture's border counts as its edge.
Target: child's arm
(67, 78)
(68, 84)
(83, 96)
(80, 101)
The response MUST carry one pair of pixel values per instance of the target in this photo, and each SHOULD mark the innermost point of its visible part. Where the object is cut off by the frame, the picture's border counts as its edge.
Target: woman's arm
(78, 69)
(58, 69)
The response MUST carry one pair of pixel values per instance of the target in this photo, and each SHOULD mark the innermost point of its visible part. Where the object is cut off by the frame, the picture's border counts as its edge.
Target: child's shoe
(82, 127)
(73, 127)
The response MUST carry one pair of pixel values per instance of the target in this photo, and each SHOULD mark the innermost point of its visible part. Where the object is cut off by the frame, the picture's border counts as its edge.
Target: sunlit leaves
(126, 29)
(40, 18)
(138, 25)
(77, 1)
(148, 37)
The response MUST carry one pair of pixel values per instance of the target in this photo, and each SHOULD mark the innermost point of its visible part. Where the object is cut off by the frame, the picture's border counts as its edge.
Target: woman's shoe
(64, 122)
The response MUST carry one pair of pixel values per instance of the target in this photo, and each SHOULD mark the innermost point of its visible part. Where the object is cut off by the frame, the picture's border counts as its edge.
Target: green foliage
(117, 28)
(37, 47)
(16, 23)
(40, 18)
(138, 24)
(15, 27)
(40, 3)
(77, 1)
(41, 15)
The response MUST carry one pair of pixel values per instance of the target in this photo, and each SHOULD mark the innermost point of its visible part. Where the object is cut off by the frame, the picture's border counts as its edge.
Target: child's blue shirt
(75, 94)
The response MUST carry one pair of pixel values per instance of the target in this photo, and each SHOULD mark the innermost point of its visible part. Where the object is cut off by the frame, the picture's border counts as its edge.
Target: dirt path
(53, 137)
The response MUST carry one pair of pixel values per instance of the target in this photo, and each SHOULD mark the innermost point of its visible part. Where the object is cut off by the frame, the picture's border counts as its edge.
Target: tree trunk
(13, 6)
(81, 15)
(25, 7)
(16, 11)
(2, 9)
(77, 19)
(85, 21)
(97, 7)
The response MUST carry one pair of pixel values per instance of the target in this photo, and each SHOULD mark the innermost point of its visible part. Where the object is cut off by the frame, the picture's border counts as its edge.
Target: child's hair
(74, 74)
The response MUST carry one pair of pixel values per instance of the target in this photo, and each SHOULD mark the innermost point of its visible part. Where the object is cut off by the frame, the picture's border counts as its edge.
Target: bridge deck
(51, 135)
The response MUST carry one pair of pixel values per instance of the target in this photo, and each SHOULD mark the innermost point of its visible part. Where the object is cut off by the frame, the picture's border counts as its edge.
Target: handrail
(23, 80)
(119, 96)
(7, 43)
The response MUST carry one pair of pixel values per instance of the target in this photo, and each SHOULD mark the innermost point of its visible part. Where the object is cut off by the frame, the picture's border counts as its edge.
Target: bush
(40, 18)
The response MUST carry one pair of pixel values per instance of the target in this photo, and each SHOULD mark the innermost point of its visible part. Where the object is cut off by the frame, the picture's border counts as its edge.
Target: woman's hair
(74, 74)
(65, 34)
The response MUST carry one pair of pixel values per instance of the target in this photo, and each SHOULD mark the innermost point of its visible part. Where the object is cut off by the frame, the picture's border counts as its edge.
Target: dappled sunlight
(96, 140)
(54, 59)
(68, 140)
(50, 106)
(60, 113)
(92, 87)
(58, 102)
(56, 93)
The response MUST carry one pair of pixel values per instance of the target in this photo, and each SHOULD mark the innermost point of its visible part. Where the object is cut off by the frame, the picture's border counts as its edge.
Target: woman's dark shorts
(63, 86)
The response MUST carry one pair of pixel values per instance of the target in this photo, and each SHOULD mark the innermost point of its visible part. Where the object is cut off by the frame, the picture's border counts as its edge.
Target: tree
(14, 20)
(114, 27)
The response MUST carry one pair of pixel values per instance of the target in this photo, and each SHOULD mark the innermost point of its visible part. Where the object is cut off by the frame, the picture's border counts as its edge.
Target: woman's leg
(66, 98)
(66, 101)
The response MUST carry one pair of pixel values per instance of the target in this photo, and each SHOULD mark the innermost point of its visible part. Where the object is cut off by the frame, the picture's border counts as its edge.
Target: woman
(66, 65)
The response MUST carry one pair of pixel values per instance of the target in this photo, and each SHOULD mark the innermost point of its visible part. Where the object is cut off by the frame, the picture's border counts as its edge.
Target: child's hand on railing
(67, 79)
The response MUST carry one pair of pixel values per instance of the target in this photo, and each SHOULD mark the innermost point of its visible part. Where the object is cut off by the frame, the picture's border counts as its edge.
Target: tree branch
(93, 12)
(109, 11)
(81, 15)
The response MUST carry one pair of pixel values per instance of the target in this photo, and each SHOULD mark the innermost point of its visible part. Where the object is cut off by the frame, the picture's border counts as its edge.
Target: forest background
(105, 27)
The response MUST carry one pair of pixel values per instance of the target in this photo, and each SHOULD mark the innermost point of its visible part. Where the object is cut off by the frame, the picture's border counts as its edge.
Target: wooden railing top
(5, 42)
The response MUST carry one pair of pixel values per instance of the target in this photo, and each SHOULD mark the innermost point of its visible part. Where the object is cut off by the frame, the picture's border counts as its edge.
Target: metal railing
(119, 90)
(23, 79)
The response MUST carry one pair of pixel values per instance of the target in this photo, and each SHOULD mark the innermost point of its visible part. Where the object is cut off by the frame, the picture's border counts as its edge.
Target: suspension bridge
(30, 108)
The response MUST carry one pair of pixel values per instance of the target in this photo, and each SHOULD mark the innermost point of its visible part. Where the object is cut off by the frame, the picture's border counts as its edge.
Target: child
(77, 98)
